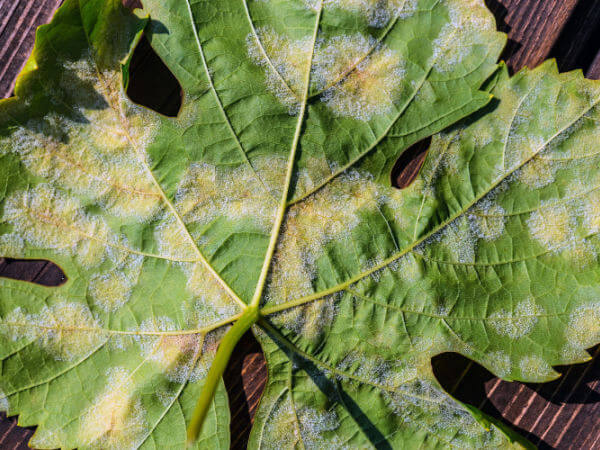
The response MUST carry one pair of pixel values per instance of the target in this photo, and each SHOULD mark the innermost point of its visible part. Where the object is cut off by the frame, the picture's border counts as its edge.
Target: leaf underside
(272, 187)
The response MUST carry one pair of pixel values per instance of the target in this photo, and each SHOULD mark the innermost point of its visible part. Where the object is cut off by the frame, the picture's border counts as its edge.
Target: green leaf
(267, 201)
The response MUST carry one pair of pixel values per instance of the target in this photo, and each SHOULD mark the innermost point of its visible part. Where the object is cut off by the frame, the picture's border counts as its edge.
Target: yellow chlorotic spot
(537, 173)
(209, 192)
(583, 330)
(110, 291)
(551, 225)
(581, 253)
(487, 220)
(518, 322)
(116, 418)
(591, 212)
(285, 62)
(175, 355)
(500, 363)
(101, 158)
(534, 368)
(174, 242)
(65, 330)
(372, 84)
(377, 12)
(468, 20)
(12, 246)
(330, 214)
(212, 303)
(50, 219)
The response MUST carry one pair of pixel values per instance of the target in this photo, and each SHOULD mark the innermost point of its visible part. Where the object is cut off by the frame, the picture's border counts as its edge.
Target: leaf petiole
(248, 318)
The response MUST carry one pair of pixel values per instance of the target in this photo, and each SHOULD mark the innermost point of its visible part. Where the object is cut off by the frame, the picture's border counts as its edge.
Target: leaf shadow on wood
(473, 384)
(500, 12)
(578, 44)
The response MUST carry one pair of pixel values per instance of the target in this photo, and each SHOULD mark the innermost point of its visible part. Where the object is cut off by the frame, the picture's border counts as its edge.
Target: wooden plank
(533, 27)
(562, 414)
(18, 21)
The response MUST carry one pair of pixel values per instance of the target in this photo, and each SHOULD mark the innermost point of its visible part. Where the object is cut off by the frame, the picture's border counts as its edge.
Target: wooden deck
(564, 414)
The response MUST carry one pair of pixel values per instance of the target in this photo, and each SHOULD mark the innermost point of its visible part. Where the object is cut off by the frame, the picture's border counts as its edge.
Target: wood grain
(564, 414)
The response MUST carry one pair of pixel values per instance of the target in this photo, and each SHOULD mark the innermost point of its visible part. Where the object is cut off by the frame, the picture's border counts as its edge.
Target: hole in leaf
(151, 83)
(540, 412)
(409, 164)
(36, 271)
(245, 379)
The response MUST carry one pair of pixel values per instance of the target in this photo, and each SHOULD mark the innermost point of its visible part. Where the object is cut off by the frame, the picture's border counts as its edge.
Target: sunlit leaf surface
(272, 188)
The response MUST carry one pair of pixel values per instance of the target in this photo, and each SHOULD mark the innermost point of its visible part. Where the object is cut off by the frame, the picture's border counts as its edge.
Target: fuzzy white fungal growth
(369, 81)
(487, 220)
(339, 206)
(378, 13)
(551, 225)
(468, 20)
(285, 62)
(518, 322)
(539, 172)
(500, 363)
(175, 354)
(209, 192)
(535, 368)
(67, 331)
(583, 329)
(116, 418)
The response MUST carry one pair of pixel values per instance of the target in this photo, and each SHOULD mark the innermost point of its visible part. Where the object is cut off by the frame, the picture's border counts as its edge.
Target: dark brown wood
(533, 27)
(18, 22)
(563, 414)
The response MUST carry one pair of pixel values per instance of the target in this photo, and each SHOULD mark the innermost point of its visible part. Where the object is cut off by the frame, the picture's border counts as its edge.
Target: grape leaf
(267, 202)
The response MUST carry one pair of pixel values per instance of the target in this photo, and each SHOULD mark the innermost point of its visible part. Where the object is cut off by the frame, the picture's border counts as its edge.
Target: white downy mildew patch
(313, 426)
(537, 173)
(97, 152)
(175, 355)
(456, 240)
(552, 225)
(591, 212)
(111, 290)
(4, 402)
(583, 329)
(487, 220)
(534, 368)
(67, 331)
(420, 403)
(173, 240)
(208, 192)
(12, 246)
(332, 213)
(518, 322)
(500, 363)
(285, 62)
(50, 219)
(468, 20)
(116, 418)
(368, 86)
(377, 370)
(210, 302)
(378, 13)
(281, 426)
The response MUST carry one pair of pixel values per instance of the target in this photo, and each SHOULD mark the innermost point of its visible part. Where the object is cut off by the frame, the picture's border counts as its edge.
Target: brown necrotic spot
(41, 272)
(409, 164)
(151, 83)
